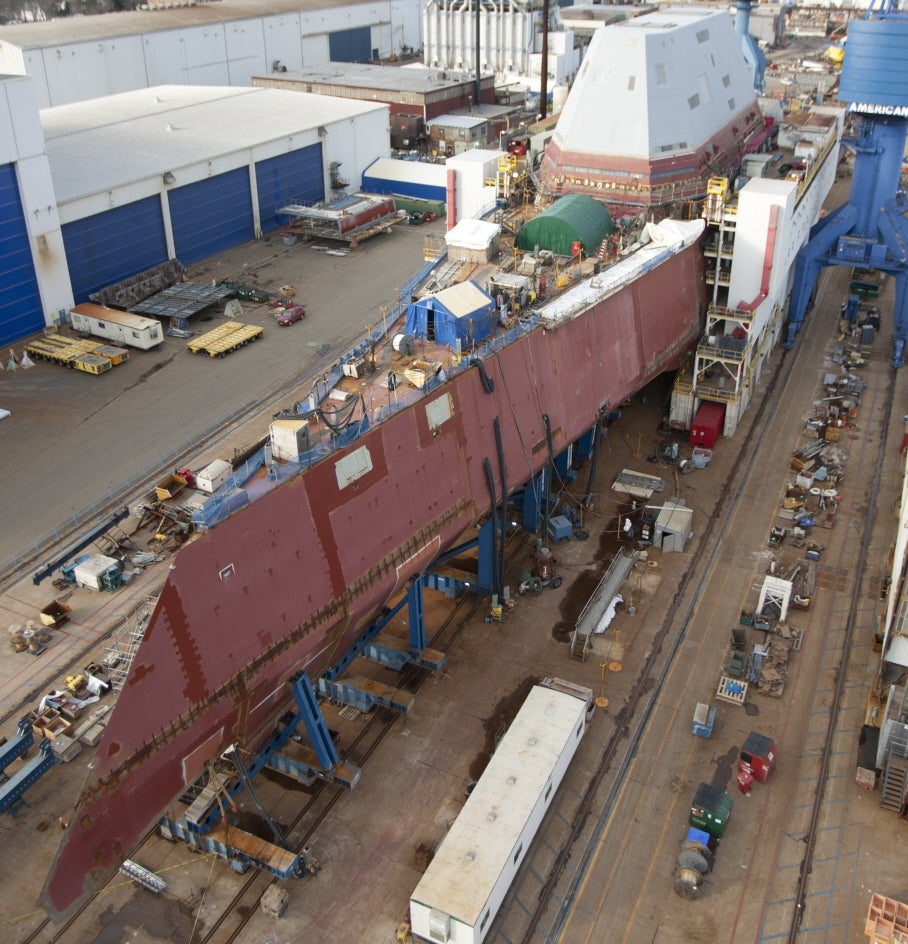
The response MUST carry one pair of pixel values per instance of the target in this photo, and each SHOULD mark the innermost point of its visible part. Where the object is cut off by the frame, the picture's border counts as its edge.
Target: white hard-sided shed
(457, 898)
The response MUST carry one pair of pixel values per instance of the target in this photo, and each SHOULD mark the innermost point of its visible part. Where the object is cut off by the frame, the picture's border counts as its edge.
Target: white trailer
(122, 326)
(460, 893)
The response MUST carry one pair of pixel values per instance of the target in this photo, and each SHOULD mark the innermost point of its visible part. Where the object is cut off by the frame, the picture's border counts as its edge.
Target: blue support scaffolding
(13, 789)
(17, 745)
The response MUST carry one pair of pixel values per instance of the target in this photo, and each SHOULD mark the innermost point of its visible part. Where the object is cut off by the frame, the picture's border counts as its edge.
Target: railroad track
(244, 903)
(810, 838)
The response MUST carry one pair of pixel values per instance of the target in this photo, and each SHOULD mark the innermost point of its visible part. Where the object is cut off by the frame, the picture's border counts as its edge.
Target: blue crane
(871, 229)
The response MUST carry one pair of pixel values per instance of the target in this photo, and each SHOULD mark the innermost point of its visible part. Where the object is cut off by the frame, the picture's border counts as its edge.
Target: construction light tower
(871, 229)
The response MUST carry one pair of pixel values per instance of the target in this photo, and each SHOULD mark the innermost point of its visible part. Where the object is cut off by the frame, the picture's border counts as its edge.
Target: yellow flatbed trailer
(92, 363)
(54, 353)
(234, 340)
(116, 355)
(69, 355)
(210, 337)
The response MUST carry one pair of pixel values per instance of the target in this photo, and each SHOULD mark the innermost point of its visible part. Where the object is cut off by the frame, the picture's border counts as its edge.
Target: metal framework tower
(871, 229)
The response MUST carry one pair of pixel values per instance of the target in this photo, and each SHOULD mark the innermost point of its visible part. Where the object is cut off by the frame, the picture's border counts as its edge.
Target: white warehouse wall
(218, 53)
(22, 144)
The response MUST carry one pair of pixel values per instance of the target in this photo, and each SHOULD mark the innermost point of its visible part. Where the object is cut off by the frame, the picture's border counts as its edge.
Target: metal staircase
(892, 788)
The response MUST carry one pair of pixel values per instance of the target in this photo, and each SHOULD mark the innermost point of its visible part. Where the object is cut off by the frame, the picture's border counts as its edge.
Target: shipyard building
(87, 207)
(225, 43)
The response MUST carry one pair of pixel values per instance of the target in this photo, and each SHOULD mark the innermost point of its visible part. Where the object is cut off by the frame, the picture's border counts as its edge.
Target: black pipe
(549, 472)
(503, 518)
(490, 481)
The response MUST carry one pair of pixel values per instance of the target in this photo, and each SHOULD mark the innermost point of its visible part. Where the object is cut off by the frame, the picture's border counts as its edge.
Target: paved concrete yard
(72, 437)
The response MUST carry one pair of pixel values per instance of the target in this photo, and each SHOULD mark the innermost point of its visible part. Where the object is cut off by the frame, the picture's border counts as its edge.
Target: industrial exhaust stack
(753, 55)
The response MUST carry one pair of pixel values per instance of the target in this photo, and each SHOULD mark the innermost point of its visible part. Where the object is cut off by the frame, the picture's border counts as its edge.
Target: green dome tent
(574, 218)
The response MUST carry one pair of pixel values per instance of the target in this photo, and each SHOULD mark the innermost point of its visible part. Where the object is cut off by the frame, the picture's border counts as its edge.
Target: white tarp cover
(472, 234)
(670, 232)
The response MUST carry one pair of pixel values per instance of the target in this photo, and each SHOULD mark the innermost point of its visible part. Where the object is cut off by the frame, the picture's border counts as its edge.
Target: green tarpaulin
(572, 219)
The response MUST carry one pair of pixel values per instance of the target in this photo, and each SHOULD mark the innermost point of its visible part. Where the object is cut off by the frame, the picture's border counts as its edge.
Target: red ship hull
(290, 582)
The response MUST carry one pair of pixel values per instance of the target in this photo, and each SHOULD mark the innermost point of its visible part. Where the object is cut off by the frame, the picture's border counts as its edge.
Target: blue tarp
(472, 321)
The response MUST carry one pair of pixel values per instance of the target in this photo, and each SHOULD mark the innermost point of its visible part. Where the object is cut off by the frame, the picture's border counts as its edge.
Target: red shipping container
(707, 425)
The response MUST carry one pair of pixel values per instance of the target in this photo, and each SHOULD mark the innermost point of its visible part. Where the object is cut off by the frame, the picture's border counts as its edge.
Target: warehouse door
(113, 245)
(297, 177)
(20, 303)
(351, 45)
(211, 215)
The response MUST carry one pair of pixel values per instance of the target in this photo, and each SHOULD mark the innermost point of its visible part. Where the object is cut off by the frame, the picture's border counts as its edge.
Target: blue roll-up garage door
(351, 45)
(20, 303)
(113, 245)
(211, 215)
(297, 177)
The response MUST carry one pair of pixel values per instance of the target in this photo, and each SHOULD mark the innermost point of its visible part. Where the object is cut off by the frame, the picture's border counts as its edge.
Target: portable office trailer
(122, 326)
(457, 898)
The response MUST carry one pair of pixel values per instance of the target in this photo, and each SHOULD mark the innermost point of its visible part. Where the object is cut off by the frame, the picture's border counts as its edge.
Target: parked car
(296, 313)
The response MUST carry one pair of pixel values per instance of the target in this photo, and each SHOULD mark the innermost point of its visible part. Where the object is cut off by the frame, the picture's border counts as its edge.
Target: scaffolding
(122, 653)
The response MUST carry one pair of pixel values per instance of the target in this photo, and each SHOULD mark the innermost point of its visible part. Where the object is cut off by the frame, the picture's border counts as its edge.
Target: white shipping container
(121, 326)
(289, 439)
(460, 893)
(213, 476)
(89, 572)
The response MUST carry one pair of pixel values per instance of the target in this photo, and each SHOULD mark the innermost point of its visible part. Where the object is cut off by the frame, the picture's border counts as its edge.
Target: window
(100, 324)
(731, 104)
(227, 571)
(703, 36)
(580, 729)
(726, 80)
(517, 853)
(661, 75)
(693, 102)
(135, 334)
(485, 920)
(548, 792)
(631, 82)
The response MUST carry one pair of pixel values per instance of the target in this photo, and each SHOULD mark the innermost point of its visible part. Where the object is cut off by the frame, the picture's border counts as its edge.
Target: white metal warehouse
(224, 43)
(94, 192)
(187, 171)
(458, 896)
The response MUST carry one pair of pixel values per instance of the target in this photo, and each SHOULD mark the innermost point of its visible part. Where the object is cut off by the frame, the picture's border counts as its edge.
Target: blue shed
(463, 311)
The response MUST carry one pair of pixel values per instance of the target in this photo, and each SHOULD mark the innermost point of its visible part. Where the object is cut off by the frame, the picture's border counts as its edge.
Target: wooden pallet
(887, 921)
(726, 690)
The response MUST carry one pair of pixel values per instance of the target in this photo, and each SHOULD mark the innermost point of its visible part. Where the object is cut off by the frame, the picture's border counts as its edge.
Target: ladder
(892, 789)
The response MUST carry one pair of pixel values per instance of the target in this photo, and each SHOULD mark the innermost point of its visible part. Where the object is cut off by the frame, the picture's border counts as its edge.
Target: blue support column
(416, 616)
(486, 555)
(563, 465)
(532, 498)
(311, 716)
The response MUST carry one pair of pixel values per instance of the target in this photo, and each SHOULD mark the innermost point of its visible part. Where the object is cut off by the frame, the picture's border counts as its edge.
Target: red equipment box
(707, 425)
(758, 755)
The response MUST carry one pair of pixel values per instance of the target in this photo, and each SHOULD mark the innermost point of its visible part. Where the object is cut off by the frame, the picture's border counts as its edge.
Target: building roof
(570, 219)
(463, 299)
(78, 29)
(456, 121)
(104, 143)
(472, 234)
(476, 850)
(364, 75)
(674, 79)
